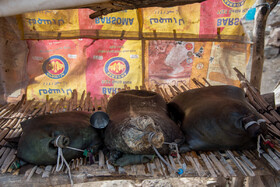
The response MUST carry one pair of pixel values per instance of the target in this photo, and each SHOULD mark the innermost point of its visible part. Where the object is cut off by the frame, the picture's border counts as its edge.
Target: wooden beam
(97, 36)
(262, 11)
(118, 5)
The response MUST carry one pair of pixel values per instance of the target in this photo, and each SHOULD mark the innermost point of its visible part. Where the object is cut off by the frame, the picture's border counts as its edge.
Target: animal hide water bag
(136, 114)
(36, 144)
(216, 118)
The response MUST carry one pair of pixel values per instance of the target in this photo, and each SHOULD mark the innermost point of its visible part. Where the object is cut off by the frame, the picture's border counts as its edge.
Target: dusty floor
(271, 74)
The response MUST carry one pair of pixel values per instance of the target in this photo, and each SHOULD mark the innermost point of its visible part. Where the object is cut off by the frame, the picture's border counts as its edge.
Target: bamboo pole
(87, 100)
(75, 99)
(106, 101)
(177, 89)
(159, 91)
(205, 80)
(258, 101)
(198, 83)
(81, 104)
(173, 92)
(8, 155)
(262, 11)
(5, 109)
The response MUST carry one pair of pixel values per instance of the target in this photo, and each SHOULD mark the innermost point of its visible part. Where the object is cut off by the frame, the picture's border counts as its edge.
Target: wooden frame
(263, 9)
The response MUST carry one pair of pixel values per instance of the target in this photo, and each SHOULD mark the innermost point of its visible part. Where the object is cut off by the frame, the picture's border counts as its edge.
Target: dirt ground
(271, 74)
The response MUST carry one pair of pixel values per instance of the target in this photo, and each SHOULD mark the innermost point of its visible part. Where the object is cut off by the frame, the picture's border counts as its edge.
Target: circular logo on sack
(189, 46)
(189, 60)
(55, 67)
(234, 3)
(116, 67)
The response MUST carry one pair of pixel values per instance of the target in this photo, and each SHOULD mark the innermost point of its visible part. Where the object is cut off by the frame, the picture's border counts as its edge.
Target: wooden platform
(200, 168)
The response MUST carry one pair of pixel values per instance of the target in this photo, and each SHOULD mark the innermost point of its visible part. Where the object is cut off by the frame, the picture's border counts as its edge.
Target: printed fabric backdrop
(57, 67)
(111, 64)
(176, 63)
(204, 20)
(103, 66)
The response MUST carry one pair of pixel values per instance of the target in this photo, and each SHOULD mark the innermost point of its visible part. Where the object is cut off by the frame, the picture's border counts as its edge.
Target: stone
(274, 38)
(274, 17)
(271, 52)
(277, 96)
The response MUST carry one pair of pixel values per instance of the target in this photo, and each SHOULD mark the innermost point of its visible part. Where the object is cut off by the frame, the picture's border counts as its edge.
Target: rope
(264, 138)
(63, 161)
(263, 4)
(180, 171)
(176, 147)
(60, 165)
(75, 149)
(259, 146)
(267, 141)
(249, 124)
(150, 136)
(261, 121)
(60, 156)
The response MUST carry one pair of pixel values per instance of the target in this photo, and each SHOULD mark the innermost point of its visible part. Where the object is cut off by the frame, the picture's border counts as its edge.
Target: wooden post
(262, 11)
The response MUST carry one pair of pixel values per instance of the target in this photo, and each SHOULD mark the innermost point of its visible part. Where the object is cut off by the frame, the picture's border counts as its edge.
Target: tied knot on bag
(150, 138)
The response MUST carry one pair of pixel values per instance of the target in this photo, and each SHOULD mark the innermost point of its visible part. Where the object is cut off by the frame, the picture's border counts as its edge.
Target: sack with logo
(112, 64)
(56, 68)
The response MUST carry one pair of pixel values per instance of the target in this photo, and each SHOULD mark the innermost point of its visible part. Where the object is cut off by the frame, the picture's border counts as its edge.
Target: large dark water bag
(216, 118)
(37, 143)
